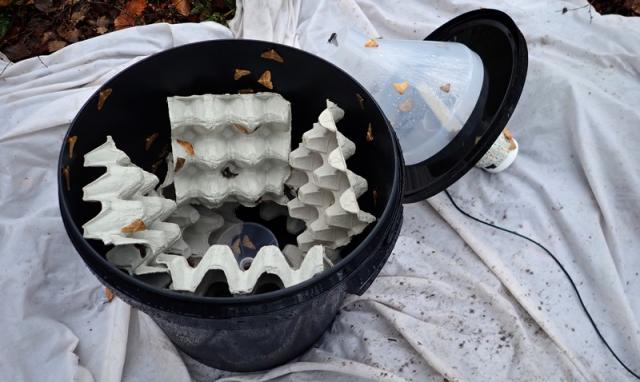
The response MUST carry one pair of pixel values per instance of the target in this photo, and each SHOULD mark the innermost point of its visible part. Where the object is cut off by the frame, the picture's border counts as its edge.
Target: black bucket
(252, 332)
(255, 332)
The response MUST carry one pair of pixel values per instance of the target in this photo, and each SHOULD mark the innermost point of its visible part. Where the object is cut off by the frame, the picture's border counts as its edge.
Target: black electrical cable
(573, 284)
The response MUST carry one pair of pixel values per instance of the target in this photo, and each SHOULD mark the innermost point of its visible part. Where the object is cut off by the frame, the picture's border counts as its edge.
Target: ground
(30, 28)
(34, 27)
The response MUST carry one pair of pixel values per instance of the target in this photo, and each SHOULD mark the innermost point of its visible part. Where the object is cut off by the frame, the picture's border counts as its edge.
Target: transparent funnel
(426, 89)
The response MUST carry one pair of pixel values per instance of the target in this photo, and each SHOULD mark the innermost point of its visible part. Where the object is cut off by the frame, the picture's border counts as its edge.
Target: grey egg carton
(220, 257)
(327, 191)
(231, 147)
(123, 194)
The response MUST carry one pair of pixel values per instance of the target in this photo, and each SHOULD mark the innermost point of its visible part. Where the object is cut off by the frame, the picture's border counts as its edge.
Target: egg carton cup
(248, 186)
(220, 257)
(123, 194)
(327, 191)
(231, 147)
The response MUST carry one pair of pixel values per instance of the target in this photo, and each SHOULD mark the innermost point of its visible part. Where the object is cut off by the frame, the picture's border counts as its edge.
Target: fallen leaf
(370, 133)
(187, 146)
(45, 6)
(182, 6)
(360, 100)
(108, 294)
(102, 97)
(47, 36)
(127, 16)
(66, 172)
(135, 7)
(77, 16)
(401, 87)
(148, 142)
(102, 24)
(71, 34)
(406, 105)
(123, 21)
(265, 80)
(247, 243)
(272, 55)
(56, 45)
(239, 73)
(371, 43)
(445, 88)
(246, 91)
(179, 164)
(136, 226)
(71, 143)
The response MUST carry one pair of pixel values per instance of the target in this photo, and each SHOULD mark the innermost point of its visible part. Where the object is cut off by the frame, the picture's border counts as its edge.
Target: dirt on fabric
(30, 28)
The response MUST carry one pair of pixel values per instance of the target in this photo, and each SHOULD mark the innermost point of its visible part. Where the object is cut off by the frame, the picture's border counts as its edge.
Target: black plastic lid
(494, 36)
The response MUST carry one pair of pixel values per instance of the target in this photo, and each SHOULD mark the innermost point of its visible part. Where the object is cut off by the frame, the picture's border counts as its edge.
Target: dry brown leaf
(148, 142)
(136, 226)
(406, 105)
(272, 55)
(66, 172)
(360, 100)
(135, 7)
(102, 97)
(239, 73)
(187, 146)
(371, 43)
(401, 87)
(108, 294)
(370, 133)
(179, 164)
(247, 243)
(71, 143)
(56, 45)
(123, 21)
(71, 34)
(246, 91)
(77, 16)
(182, 6)
(445, 88)
(512, 143)
(265, 80)
(127, 16)
(102, 24)
(235, 246)
(47, 36)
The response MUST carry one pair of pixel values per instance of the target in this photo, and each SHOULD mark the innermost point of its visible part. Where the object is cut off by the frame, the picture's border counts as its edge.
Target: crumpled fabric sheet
(457, 300)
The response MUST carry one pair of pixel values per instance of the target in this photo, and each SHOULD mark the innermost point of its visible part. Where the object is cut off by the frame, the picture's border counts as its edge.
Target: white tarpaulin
(457, 300)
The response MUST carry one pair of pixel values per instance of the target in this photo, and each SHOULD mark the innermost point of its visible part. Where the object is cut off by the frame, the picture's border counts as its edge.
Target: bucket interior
(137, 108)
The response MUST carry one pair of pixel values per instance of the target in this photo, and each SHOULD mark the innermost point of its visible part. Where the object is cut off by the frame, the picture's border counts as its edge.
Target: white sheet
(456, 300)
